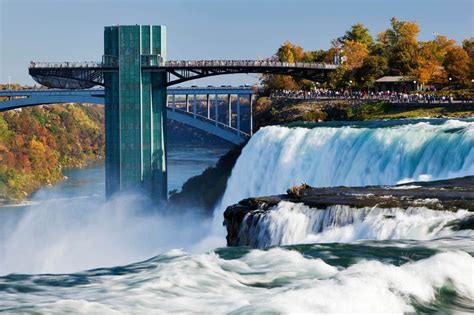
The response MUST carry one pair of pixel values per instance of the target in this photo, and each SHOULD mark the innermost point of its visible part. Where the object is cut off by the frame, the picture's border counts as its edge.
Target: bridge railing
(246, 63)
(193, 63)
(66, 64)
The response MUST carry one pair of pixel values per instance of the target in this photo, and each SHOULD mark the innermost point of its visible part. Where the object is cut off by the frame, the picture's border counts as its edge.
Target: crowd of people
(391, 96)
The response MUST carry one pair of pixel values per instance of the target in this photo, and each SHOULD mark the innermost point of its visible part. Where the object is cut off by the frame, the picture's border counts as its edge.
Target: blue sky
(60, 30)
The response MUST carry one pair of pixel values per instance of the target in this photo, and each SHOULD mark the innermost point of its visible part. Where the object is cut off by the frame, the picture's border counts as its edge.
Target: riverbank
(444, 195)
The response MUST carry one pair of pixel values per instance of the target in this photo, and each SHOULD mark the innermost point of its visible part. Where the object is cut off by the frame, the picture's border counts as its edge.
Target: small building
(396, 84)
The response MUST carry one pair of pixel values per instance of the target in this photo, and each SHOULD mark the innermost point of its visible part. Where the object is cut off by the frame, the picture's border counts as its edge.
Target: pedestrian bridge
(89, 74)
(216, 110)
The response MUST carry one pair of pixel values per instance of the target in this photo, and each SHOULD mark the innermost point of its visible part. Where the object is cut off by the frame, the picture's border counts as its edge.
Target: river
(70, 251)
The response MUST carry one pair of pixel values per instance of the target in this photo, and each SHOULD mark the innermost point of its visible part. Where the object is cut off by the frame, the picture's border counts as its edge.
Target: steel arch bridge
(188, 115)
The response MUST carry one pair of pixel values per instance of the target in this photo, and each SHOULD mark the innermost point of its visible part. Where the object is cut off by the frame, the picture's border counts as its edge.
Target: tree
(279, 82)
(372, 68)
(468, 45)
(431, 56)
(358, 33)
(339, 78)
(355, 53)
(401, 45)
(289, 52)
(315, 56)
(456, 64)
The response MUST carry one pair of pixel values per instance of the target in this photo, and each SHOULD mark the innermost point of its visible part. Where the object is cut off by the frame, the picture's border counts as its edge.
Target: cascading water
(289, 223)
(279, 157)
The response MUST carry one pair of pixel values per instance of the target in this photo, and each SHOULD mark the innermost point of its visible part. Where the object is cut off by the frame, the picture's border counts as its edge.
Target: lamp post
(450, 81)
(350, 88)
(414, 85)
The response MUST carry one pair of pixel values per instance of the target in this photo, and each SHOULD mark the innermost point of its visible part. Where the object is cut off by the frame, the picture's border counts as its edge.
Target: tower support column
(135, 111)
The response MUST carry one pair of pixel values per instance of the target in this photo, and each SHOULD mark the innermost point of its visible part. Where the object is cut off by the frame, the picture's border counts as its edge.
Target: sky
(72, 30)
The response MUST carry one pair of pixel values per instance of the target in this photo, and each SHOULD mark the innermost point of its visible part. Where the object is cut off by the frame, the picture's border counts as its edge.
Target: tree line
(395, 51)
(37, 143)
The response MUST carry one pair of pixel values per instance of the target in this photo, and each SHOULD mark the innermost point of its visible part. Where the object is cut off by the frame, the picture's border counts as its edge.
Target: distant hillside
(37, 143)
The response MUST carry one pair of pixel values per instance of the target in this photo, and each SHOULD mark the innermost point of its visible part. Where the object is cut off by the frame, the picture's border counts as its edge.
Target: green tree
(315, 56)
(401, 44)
(339, 79)
(358, 33)
(372, 68)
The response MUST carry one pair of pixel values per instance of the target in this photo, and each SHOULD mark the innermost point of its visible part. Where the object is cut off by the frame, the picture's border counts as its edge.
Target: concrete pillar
(194, 106)
(229, 109)
(216, 109)
(208, 106)
(173, 102)
(187, 103)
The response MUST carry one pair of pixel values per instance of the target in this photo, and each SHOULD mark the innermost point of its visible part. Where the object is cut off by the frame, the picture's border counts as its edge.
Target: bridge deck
(89, 74)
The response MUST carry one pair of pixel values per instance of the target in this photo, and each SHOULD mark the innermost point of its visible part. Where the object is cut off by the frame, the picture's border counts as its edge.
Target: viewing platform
(81, 75)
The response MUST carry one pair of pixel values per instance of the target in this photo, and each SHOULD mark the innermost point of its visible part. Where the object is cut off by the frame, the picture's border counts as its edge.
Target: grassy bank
(37, 143)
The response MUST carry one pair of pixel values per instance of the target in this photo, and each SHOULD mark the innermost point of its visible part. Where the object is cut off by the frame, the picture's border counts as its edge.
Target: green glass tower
(135, 116)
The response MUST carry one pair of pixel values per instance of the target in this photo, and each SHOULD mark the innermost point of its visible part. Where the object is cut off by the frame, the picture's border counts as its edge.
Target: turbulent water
(333, 260)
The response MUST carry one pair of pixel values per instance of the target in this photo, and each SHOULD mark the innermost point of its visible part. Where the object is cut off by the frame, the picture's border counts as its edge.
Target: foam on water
(277, 280)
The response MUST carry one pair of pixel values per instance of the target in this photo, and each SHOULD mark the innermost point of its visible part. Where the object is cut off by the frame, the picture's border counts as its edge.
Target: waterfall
(289, 223)
(279, 157)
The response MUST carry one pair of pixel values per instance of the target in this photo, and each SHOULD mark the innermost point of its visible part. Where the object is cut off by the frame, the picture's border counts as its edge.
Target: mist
(66, 235)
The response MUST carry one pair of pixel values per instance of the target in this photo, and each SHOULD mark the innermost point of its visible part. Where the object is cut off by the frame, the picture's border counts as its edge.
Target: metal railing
(66, 64)
(247, 63)
(192, 63)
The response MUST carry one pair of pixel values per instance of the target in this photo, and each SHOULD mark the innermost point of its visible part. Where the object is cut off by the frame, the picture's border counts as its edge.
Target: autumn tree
(355, 53)
(456, 64)
(287, 52)
(468, 45)
(431, 56)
